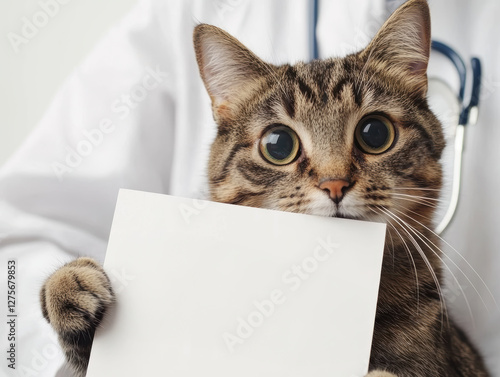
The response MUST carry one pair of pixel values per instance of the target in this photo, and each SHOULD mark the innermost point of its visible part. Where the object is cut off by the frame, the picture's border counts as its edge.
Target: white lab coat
(136, 115)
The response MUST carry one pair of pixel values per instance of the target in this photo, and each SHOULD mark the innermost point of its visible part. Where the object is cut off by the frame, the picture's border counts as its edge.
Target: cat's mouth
(343, 216)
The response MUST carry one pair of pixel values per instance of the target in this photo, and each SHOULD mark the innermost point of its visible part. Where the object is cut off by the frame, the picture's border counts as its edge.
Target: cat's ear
(229, 70)
(402, 46)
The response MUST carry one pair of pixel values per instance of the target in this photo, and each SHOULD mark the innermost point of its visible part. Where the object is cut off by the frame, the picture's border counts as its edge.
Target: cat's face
(350, 137)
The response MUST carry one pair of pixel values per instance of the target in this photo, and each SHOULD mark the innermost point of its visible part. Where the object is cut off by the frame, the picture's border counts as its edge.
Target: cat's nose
(336, 188)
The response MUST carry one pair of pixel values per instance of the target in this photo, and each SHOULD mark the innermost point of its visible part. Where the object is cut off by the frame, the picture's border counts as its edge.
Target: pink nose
(335, 188)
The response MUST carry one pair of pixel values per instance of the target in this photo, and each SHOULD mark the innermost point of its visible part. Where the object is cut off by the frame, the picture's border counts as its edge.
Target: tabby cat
(346, 137)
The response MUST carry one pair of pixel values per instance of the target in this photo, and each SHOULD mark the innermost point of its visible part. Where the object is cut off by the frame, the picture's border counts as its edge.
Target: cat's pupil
(374, 133)
(280, 144)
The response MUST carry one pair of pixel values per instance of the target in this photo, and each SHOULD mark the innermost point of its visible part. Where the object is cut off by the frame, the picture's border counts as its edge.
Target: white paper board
(209, 289)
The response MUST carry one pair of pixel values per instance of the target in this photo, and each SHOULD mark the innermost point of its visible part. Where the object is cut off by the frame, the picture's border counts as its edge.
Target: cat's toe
(74, 300)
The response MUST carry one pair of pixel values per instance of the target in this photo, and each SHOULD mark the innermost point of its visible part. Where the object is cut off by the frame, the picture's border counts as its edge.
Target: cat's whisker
(437, 254)
(392, 244)
(461, 256)
(455, 264)
(390, 235)
(407, 249)
(419, 197)
(415, 188)
(404, 226)
(274, 75)
(431, 205)
(428, 218)
(361, 77)
(279, 81)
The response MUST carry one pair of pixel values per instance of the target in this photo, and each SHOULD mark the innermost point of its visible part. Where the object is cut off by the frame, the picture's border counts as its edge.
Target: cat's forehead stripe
(334, 77)
(289, 104)
(350, 84)
(304, 87)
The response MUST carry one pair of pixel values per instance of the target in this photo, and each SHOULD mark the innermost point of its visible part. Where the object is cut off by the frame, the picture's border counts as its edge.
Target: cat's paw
(380, 373)
(74, 300)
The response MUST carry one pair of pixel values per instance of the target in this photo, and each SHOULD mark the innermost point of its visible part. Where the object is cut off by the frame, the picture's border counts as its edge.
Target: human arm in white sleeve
(111, 125)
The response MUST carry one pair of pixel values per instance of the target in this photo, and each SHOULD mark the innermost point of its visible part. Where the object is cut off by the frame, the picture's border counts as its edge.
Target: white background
(30, 77)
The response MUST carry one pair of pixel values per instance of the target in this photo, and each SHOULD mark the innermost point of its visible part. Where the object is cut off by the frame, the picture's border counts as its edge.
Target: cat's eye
(375, 134)
(279, 145)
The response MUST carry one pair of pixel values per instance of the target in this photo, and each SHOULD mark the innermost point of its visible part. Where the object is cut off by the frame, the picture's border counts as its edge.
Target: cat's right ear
(402, 46)
(229, 70)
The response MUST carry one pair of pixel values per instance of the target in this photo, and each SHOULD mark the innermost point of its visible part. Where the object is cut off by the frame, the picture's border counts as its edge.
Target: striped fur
(322, 101)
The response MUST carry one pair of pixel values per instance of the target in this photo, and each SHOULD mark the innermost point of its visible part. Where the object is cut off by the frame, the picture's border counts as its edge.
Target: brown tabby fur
(322, 102)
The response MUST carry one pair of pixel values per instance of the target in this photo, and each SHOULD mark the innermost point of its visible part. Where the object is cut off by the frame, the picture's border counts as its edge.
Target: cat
(348, 137)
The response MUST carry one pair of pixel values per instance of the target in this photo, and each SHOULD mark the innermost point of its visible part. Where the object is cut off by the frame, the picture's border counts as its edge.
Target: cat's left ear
(402, 46)
(229, 70)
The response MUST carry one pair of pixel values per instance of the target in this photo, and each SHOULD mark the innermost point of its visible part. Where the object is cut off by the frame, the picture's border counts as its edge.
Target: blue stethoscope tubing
(468, 111)
(468, 117)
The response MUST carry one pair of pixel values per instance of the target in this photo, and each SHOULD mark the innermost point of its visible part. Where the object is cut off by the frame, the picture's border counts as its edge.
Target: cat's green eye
(280, 145)
(375, 134)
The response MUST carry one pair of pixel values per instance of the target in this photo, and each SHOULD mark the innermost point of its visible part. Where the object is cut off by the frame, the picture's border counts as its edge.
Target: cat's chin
(349, 212)
(332, 211)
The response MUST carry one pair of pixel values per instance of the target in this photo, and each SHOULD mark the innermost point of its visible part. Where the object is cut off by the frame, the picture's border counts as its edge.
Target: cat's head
(348, 137)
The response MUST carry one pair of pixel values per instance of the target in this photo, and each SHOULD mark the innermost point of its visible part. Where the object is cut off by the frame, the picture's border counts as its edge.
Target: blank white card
(210, 289)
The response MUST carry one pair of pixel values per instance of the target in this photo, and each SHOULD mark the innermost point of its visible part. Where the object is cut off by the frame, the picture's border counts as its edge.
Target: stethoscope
(468, 101)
